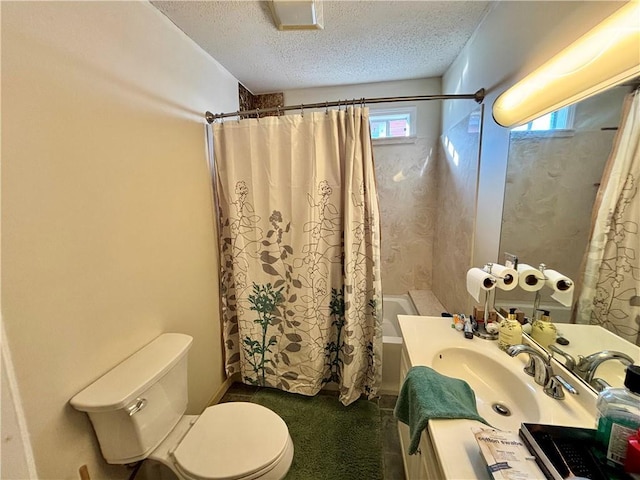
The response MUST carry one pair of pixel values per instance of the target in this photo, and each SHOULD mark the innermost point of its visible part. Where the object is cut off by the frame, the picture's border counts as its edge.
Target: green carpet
(330, 441)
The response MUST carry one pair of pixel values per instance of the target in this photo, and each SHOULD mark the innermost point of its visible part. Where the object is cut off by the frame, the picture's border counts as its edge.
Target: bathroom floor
(392, 455)
(391, 450)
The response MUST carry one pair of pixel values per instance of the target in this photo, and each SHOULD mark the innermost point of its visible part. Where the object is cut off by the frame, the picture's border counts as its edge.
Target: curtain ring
(302, 109)
(326, 108)
(258, 114)
(238, 114)
(278, 111)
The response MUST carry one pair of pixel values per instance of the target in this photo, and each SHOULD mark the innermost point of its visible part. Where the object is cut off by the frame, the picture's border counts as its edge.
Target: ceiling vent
(297, 14)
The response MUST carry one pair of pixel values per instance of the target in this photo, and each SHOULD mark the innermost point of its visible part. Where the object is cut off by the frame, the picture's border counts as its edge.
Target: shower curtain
(300, 252)
(610, 294)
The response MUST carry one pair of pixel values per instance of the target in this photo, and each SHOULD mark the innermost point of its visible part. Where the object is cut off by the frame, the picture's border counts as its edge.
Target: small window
(555, 121)
(393, 123)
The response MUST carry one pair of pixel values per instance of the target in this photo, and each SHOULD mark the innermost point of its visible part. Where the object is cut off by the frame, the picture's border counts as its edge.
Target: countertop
(454, 442)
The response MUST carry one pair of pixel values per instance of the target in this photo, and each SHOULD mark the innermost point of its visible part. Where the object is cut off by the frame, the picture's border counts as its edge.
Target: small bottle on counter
(618, 416)
(543, 330)
(510, 331)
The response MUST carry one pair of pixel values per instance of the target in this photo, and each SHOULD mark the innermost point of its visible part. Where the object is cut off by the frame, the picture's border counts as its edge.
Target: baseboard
(217, 396)
(388, 391)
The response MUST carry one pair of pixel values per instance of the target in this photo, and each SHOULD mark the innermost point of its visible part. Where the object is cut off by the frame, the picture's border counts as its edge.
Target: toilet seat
(231, 441)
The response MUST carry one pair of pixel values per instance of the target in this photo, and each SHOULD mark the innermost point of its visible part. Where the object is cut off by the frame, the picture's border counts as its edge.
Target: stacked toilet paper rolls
(561, 285)
(530, 279)
(507, 277)
(478, 281)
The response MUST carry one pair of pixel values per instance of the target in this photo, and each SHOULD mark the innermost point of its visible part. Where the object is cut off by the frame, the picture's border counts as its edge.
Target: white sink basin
(494, 376)
(503, 397)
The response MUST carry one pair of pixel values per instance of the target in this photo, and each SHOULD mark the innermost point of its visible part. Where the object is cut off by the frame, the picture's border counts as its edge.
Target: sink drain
(500, 409)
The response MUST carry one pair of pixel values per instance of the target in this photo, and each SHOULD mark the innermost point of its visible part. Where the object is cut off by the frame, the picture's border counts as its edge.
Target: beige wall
(405, 175)
(513, 39)
(108, 237)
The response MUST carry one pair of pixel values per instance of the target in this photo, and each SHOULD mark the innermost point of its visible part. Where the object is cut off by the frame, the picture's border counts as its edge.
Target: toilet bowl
(236, 440)
(137, 411)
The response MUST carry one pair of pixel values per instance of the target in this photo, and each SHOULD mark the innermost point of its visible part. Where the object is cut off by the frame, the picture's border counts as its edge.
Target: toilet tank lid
(121, 385)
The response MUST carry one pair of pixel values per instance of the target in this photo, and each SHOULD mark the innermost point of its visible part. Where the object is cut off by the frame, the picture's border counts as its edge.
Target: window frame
(567, 129)
(410, 110)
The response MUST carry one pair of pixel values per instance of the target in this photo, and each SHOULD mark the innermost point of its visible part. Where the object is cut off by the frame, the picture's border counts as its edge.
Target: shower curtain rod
(478, 97)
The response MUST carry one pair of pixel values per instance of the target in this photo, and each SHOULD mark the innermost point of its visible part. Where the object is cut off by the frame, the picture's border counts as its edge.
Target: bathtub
(392, 306)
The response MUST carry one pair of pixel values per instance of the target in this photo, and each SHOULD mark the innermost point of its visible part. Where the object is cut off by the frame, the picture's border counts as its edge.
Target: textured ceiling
(362, 41)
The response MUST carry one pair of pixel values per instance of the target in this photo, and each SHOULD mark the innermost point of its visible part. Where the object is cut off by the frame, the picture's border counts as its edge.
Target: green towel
(427, 394)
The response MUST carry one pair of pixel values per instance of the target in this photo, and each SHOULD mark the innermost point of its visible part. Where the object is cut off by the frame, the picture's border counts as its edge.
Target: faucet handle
(600, 384)
(556, 387)
(569, 363)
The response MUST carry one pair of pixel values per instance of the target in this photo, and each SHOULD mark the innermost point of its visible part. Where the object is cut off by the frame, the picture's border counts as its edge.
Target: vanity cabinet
(424, 464)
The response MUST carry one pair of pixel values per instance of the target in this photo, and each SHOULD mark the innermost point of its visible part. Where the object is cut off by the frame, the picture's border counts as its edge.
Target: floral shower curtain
(300, 252)
(610, 294)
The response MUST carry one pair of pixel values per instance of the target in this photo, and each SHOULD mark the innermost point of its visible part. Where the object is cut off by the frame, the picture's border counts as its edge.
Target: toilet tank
(135, 405)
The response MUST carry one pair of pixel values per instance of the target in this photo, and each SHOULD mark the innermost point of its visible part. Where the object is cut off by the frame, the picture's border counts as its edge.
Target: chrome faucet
(587, 366)
(539, 367)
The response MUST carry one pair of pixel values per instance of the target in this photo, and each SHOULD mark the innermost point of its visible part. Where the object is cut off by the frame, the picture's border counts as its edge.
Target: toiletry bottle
(632, 461)
(510, 331)
(458, 322)
(618, 416)
(543, 331)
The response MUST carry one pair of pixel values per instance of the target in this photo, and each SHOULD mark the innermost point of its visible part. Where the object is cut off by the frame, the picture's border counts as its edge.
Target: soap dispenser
(543, 330)
(510, 331)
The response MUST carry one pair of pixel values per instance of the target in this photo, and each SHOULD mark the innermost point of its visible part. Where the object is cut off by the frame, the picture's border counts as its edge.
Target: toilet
(137, 411)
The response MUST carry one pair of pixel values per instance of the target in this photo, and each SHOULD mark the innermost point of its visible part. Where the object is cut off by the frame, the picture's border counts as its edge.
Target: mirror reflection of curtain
(611, 282)
(300, 252)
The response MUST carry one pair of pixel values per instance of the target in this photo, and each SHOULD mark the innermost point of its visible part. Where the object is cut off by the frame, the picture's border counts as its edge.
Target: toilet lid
(232, 440)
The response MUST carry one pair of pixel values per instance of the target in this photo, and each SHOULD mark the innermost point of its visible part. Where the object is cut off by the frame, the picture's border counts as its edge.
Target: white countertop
(454, 443)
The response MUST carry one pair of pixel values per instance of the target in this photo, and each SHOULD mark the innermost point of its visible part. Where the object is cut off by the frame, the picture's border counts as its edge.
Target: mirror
(554, 169)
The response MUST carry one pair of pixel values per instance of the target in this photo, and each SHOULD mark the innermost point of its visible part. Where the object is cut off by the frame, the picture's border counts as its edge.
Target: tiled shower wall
(406, 178)
(456, 210)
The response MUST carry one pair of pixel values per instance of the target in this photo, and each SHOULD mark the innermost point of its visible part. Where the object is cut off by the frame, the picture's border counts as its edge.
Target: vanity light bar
(607, 55)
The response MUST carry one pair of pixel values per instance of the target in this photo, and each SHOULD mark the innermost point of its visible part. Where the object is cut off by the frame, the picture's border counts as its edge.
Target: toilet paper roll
(561, 285)
(478, 280)
(507, 277)
(530, 279)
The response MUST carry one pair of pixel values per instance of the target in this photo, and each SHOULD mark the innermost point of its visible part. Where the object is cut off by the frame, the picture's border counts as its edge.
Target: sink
(503, 398)
(497, 379)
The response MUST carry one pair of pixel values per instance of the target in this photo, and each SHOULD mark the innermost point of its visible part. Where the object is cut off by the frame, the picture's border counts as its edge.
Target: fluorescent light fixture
(605, 56)
(297, 14)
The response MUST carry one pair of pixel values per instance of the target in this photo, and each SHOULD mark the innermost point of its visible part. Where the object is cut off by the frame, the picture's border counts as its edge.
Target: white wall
(405, 177)
(107, 219)
(513, 39)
